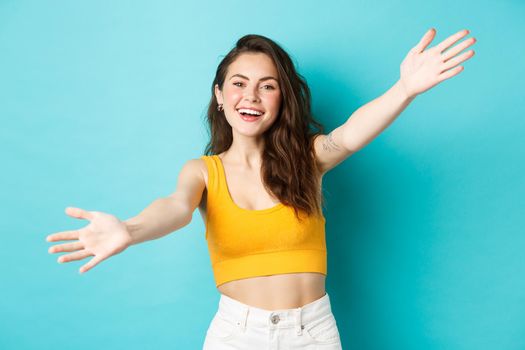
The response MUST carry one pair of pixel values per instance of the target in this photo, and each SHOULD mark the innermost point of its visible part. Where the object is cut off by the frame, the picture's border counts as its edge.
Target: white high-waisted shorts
(240, 326)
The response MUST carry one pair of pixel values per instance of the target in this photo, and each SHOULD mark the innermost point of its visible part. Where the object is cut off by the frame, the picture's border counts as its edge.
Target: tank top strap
(217, 191)
(211, 165)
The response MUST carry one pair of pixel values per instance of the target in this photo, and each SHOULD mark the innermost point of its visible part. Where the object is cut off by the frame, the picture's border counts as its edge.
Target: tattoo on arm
(329, 144)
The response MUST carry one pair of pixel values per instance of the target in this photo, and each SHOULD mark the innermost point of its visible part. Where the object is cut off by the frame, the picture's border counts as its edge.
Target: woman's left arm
(420, 70)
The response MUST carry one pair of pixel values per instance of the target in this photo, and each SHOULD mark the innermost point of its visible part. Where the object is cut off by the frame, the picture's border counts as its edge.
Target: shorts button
(275, 319)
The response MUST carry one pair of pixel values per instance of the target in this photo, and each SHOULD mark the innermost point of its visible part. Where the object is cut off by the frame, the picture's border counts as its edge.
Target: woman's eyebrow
(245, 77)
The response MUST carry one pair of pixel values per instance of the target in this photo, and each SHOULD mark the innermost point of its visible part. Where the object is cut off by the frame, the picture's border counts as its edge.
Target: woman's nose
(251, 97)
(251, 94)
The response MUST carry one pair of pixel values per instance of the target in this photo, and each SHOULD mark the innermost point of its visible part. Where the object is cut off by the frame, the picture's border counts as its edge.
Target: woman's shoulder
(197, 166)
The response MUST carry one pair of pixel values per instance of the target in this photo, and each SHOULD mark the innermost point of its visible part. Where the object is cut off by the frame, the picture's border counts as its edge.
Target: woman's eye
(266, 87)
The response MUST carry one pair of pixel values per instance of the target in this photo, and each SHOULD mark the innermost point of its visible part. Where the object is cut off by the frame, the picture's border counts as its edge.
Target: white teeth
(249, 111)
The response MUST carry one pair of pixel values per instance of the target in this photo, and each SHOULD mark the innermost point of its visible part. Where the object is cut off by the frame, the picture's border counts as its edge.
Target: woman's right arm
(106, 235)
(171, 213)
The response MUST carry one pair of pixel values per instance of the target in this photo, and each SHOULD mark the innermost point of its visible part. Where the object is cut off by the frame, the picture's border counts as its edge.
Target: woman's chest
(245, 189)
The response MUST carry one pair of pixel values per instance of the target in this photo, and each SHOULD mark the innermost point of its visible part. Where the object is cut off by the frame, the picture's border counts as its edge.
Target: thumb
(79, 213)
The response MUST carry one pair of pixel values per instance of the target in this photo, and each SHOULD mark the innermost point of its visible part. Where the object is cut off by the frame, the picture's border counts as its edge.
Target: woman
(258, 189)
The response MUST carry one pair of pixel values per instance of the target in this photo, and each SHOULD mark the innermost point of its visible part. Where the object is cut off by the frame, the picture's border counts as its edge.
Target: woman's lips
(249, 118)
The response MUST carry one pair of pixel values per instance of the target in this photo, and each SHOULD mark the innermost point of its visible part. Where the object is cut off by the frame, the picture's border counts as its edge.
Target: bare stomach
(276, 292)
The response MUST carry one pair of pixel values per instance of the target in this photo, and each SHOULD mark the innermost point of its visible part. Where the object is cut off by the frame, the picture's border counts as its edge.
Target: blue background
(101, 103)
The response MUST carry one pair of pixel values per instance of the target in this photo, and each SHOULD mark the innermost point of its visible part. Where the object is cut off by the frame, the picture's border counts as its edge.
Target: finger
(425, 40)
(68, 247)
(79, 213)
(451, 40)
(450, 73)
(92, 263)
(62, 236)
(457, 60)
(457, 49)
(74, 256)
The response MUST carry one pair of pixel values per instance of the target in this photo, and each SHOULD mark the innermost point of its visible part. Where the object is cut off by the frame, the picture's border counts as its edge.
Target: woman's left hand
(422, 70)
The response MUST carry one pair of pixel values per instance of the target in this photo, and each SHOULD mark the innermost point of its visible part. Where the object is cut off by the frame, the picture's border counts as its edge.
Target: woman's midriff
(276, 292)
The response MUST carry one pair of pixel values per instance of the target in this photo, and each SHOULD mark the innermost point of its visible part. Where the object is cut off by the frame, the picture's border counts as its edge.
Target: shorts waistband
(245, 315)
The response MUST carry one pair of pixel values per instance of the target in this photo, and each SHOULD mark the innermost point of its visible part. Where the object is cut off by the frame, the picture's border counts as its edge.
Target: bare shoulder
(197, 168)
(197, 164)
(191, 182)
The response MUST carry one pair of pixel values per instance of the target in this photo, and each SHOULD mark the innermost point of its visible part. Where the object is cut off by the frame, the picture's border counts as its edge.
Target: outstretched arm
(420, 70)
(170, 213)
(106, 235)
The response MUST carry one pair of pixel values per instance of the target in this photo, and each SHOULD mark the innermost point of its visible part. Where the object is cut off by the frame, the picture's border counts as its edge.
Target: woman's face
(251, 84)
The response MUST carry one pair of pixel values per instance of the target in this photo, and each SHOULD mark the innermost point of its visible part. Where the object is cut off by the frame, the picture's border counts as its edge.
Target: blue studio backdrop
(101, 102)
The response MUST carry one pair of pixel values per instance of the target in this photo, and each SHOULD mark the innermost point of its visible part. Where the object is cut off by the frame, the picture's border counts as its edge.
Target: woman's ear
(218, 94)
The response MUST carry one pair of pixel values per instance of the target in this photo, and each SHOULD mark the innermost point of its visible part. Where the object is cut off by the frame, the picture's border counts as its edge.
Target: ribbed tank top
(246, 243)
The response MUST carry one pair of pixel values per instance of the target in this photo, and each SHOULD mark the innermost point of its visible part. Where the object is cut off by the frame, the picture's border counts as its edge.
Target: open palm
(422, 69)
(103, 237)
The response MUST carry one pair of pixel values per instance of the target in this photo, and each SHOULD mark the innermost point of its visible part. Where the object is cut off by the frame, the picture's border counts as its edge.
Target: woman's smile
(248, 117)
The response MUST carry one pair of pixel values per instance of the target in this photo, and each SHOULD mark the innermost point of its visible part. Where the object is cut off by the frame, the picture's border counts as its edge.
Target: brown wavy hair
(289, 169)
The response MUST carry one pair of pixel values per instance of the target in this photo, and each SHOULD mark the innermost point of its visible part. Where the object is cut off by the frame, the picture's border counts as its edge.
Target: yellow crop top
(247, 243)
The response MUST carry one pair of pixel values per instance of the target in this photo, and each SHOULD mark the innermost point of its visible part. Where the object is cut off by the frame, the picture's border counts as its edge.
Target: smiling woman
(258, 189)
(237, 94)
(258, 75)
(270, 263)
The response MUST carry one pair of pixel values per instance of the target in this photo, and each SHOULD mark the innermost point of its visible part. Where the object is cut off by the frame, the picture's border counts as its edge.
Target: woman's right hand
(103, 237)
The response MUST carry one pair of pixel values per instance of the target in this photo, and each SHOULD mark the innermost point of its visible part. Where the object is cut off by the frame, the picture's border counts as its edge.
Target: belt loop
(298, 321)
